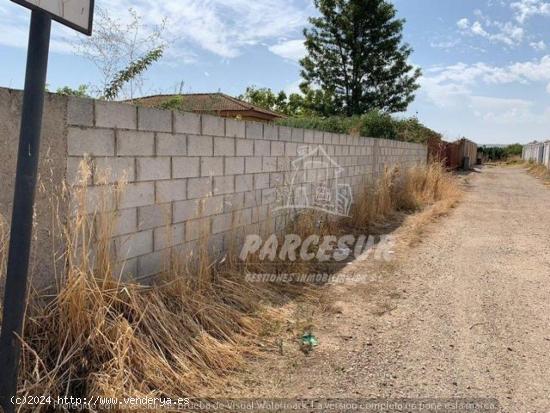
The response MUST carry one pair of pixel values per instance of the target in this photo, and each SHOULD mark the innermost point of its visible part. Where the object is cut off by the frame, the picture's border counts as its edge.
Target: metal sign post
(15, 294)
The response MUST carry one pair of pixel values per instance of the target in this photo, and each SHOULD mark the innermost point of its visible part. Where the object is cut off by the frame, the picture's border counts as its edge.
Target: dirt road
(465, 313)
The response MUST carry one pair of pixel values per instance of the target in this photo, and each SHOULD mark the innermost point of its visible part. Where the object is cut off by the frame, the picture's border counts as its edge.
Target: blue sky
(486, 63)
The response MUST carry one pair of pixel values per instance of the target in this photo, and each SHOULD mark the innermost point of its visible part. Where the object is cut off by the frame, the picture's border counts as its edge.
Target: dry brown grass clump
(514, 161)
(539, 171)
(406, 190)
(102, 336)
(535, 169)
(397, 192)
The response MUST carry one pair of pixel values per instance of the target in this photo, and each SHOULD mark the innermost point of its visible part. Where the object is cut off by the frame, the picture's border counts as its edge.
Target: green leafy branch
(133, 70)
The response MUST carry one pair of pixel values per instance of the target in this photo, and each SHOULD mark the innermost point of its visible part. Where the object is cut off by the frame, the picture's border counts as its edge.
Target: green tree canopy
(356, 56)
(267, 99)
(134, 70)
(81, 91)
(493, 153)
(309, 103)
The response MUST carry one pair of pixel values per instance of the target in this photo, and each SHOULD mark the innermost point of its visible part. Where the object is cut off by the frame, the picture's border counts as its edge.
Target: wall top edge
(75, 100)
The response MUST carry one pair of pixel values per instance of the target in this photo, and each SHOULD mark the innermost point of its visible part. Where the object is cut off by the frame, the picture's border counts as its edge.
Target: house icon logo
(315, 184)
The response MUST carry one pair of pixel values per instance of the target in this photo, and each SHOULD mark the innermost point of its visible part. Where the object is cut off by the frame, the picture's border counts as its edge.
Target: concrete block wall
(52, 168)
(546, 154)
(187, 173)
(538, 152)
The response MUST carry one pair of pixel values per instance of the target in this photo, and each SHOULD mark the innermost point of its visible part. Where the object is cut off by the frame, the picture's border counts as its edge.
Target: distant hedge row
(373, 124)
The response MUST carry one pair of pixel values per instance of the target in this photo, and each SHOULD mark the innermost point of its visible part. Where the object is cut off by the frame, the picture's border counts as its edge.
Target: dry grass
(535, 169)
(102, 336)
(408, 190)
(539, 171)
(398, 191)
(514, 160)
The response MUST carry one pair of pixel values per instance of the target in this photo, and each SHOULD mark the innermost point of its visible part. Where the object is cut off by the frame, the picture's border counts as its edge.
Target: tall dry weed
(538, 170)
(403, 189)
(102, 336)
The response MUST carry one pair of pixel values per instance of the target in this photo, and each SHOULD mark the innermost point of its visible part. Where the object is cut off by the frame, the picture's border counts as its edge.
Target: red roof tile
(206, 103)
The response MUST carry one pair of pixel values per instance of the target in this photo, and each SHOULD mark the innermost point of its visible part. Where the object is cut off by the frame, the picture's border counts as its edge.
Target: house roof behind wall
(212, 103)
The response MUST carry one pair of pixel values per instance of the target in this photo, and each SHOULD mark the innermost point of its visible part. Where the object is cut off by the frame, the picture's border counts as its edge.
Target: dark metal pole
(15, 294)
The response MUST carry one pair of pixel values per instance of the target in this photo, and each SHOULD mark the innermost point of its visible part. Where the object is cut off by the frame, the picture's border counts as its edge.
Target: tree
(309, 103)
(118, 48)
(266, 98)
(515, 149)
(356, 56)
(317, 102)
(81, 91)
(134, 70)
(499, 153)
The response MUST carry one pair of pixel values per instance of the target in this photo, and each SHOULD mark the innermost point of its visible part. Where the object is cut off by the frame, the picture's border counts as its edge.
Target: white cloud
(293, 87)
(225, 27)
(457, 87)
(503, 110)
(533, 71)
(445, 44)
(290, 49)
(466, 75)
(14, 30)
(524, 9)
(510, 33)
(463, 24)
(441, 94)
(478, 29)
(506, 33)
(222, 27)
(538, 46)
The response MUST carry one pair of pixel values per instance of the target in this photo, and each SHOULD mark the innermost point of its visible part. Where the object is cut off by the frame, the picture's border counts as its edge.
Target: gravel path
(465, 313)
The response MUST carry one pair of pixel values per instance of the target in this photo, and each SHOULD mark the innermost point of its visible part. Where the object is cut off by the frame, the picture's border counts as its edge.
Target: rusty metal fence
(455, 155)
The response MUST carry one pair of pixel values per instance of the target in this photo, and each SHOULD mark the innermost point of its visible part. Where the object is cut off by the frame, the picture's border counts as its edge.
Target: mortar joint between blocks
(172, 122)
(171, 171)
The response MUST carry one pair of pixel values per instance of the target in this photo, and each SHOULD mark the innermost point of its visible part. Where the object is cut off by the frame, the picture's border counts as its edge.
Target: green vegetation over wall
(501, 153)
(373, 124)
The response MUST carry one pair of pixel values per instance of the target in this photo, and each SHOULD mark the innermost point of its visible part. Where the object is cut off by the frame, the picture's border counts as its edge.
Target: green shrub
(411, 130)
(373, 124)
(174, 103)
(501, 153)
(378, 125)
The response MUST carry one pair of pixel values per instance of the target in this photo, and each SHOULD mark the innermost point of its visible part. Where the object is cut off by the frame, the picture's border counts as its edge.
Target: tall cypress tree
(356, 54)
